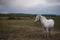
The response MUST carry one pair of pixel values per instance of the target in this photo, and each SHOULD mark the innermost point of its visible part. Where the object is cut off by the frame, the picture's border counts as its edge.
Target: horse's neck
(43, 19)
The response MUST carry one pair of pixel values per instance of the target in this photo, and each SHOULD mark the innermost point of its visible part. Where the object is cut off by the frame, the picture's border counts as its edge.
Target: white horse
(47, 24)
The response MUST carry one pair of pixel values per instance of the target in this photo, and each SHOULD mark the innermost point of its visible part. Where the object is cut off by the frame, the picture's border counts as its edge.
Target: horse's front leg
(47, 32)
(44, 30)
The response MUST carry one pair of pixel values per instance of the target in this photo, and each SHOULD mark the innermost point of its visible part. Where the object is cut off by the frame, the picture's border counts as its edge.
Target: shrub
(11, 18)
(18, 18)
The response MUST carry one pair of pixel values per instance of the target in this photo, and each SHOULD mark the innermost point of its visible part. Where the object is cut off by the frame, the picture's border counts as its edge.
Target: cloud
(53, 1)
(29, 6)
(33, 3)
(30, 3)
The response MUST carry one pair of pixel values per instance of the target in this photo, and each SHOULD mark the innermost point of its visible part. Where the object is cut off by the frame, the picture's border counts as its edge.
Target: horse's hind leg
(52, 29)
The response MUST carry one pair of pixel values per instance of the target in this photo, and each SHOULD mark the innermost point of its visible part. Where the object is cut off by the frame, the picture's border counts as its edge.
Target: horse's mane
(41, 16)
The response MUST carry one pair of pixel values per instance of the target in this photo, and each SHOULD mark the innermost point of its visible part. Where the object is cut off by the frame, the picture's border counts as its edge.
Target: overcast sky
(30, 6)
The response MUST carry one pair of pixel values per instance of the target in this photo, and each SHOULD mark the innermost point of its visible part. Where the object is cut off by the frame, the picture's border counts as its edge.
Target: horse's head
(37, 18)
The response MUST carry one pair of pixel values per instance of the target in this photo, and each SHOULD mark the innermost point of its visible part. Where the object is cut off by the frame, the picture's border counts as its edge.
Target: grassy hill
(22, 27)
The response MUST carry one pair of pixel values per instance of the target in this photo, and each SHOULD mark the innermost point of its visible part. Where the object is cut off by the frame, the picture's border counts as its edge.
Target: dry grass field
(26, 30)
